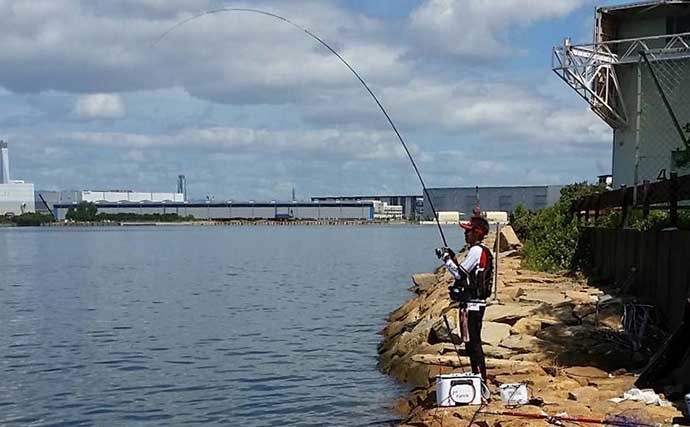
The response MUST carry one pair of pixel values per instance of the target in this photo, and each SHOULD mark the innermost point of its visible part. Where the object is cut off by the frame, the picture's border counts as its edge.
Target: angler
(473, 284)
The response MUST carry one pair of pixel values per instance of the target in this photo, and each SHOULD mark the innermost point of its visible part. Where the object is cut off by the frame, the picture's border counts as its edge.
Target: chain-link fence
(663, 119)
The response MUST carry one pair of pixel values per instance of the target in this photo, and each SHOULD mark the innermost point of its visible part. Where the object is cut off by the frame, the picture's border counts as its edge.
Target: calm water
(196, 325)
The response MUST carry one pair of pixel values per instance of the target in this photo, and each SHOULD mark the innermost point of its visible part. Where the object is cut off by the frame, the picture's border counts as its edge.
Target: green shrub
(550, 235)
(31, 219)
(83, 212)
(552, 240)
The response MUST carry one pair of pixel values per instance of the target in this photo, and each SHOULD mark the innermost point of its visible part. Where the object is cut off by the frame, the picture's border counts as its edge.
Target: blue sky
(248, 107)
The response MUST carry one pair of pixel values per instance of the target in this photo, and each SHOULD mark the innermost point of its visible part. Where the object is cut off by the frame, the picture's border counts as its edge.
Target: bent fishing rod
(347, 64)
(559, 419)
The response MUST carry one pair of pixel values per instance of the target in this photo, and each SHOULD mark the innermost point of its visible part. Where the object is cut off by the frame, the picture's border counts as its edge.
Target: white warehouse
(16, 197)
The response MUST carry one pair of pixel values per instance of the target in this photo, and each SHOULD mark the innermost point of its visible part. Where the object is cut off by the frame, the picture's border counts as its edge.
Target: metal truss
(590, 69)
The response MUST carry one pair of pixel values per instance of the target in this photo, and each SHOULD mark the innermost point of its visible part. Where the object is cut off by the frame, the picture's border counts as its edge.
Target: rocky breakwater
(544, 330)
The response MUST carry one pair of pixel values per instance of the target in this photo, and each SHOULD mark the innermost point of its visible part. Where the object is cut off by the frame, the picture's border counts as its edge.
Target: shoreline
(543, 330)
(236, 223)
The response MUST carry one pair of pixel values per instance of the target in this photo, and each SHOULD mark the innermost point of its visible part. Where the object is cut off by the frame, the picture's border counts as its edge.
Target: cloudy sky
(247, 106)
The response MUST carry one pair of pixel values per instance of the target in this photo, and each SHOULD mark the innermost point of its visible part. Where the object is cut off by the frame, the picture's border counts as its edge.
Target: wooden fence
(657, 264)
(663, 194)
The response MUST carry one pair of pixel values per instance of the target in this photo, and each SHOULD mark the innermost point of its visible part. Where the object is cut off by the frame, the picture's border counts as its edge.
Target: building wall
(658, 137)
(364, 211)
(411, 208)
(16, 199)
(463, 199)
(51, 198)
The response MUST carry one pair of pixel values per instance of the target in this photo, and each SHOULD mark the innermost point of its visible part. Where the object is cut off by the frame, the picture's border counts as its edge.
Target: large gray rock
(579, 335)
(526, 326)
(523, 343)
(562, 313)
(507, 313)
(493, 333)
(496, 352)
(440, 333)
(508, 239)
(550, 296)
(424, 281)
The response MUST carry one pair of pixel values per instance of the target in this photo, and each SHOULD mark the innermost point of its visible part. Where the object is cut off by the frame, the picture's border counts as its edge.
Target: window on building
(505, 203)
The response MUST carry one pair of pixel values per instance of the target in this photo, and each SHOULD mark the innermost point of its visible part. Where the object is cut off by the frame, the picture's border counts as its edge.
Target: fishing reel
(444, 253)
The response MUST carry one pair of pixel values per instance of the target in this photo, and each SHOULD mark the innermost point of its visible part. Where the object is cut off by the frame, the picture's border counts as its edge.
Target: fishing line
(347, 64)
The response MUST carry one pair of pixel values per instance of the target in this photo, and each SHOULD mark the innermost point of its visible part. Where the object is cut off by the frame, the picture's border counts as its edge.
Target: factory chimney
(182, 186)
(4, 163)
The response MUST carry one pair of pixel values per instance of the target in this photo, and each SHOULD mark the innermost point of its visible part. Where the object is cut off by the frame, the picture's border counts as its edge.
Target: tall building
(182, 186)
(16, 197)
(635, 75)
(4, 163)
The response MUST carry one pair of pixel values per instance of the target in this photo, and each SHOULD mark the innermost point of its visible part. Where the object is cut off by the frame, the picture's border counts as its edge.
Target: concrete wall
(17, 199)
(462, 199)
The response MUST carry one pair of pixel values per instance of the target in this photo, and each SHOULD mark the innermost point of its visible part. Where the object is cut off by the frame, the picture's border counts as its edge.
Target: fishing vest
(481, 278)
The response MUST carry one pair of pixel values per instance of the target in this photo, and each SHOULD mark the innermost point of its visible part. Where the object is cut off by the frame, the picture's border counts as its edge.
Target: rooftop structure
(635, 75)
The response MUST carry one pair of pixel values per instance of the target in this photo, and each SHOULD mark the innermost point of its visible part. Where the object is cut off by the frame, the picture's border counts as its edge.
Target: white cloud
(230, 57)
(318, 112)
(475, 109)
(100, 106)
(479, 27)
(324, 143)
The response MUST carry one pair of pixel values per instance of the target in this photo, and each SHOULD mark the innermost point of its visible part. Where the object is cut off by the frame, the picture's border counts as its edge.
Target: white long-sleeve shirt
(471, 261)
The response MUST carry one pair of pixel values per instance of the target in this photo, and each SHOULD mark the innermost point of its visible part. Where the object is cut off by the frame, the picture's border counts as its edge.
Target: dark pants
(474, 345)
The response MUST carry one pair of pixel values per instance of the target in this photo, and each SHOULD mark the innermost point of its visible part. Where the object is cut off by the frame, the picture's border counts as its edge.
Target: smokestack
(4, 163)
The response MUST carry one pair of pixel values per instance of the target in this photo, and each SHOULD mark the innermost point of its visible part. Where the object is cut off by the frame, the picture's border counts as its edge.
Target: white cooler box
(458, 389)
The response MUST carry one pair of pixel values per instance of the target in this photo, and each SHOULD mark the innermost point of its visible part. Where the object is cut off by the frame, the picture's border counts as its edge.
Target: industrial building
(384, 211)
(636, 77)
(505, 199)
(45, 200)
(234, 210)
(16, 197)
(412, 206)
